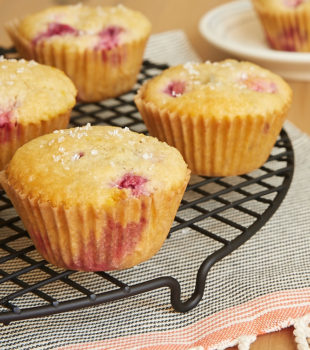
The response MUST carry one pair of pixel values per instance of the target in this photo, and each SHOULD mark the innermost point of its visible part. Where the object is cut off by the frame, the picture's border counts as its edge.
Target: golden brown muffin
(100, 198)
(34, 100)
(286, 23)
(99, 48)
(224, 117)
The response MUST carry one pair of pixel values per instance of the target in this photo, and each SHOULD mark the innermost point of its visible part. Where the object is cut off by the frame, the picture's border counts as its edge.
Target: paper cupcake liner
(97, 74)
(14, 136)
(214, 146)
(97, 239)
(286, 31)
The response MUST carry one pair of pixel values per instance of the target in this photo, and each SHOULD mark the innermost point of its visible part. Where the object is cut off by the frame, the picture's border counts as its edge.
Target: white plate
(235, 28)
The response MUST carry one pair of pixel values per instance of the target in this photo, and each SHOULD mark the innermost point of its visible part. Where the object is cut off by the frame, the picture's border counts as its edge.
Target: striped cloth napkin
(261, 287)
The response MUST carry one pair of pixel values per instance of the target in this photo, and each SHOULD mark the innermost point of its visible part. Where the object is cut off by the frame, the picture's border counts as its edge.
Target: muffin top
(86, 27)
(282, 5)
(30, 92)
(95, 165)
(222, 89)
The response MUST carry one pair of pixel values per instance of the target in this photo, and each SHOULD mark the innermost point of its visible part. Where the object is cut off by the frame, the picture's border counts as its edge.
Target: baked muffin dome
(224, 117)
(99, 48)
(84, 26)
(100, 198)
(34, 99)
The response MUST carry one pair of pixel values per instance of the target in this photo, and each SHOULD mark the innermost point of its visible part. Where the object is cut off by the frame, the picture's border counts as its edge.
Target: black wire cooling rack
(227, 210)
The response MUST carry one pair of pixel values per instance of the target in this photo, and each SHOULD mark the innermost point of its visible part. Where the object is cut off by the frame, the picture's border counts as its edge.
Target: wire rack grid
(217, 215)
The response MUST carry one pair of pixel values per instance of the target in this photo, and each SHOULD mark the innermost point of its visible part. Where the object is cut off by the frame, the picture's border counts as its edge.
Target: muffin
(100, 198)
(99, 48)
(223, 117)
(286, 23)
(34, 100)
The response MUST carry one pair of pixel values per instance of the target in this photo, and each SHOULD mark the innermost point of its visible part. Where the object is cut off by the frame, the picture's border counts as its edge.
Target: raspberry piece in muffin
(54, 29)
(6, 119)
(8, 125)
(109, 37)
(259, 84)
(175, 88)
(133, 182)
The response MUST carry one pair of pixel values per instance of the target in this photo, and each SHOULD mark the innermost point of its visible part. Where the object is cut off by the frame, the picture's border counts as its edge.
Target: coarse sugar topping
(225, 88)
(190, 67)
(102, 163)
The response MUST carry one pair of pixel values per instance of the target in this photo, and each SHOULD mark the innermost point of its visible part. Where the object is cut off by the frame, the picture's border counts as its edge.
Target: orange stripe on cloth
(261, 315)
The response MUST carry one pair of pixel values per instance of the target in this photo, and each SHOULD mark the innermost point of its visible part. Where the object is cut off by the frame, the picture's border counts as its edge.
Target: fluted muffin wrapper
(13, 136)
(286, 30)
(214, 146)
(96, 239)
(97, 74)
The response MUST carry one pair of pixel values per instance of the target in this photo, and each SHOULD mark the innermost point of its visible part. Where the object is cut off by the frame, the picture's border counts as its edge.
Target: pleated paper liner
(14, 136)
(214, 146)
(97, 74)
(88, 238)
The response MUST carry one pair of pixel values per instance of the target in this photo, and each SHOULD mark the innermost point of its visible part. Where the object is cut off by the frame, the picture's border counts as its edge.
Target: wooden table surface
(182, 14)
